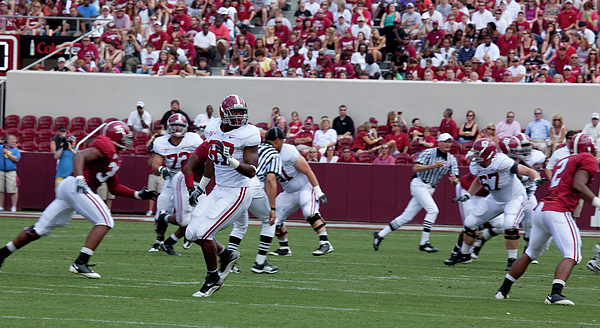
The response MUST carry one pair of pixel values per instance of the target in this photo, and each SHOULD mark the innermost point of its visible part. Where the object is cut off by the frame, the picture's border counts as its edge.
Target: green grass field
(352, 287)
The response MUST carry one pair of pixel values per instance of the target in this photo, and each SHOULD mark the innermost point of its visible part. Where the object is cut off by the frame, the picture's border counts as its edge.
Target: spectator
(363, 141)
(57, 139)
(159, 38)
(312, 155)
(434, 37)
(509, 127)
(397, 141)
(346, 156)
(481, 17)
(61, 66)
(487, 48)
(140, 120)
(122, 21)
(174, 110)
(113, 57)
(294, 126)
(558, 132)
(149, 57)
(390, 16)
(361, 26)
(277, 119)
(202, 120)
(567, 17)
(304, 138)
(427, 141)
(562, 58)
(85, 47)
(465, 53)
(501, 23)
(205, 43)
(188, 47)
(517, 70)
(343, 124)
(325, 137)
(507, 42)
(131, 52)
(384, 156)
(448, 125)
(203, 68)
(416, 130)
(329, 156)
(53, 25)
(411, 21)
(64, 156)
(87, 10)
(593, 129)
(468, 131)
(490, 133)
(8, 176)
(539, 131)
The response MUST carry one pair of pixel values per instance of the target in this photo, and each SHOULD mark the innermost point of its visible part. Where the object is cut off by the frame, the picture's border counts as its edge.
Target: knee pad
(511, 234)
(319, 226)
(31, 234)
(281, 230)
(314, 218)
(470, 233)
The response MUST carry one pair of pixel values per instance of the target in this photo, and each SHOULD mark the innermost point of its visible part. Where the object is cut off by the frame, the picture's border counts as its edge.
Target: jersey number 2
(560, 167)
(113, 170)
(489, 181)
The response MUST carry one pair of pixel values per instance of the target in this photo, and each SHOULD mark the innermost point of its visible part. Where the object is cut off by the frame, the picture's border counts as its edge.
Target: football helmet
(177, 125)
(582, 143)
(511, 146)
(525, 144)
(230, 104)
(119, 134)
(483, 149)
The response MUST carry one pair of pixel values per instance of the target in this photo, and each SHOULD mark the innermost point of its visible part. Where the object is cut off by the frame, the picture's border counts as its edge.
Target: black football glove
(81, 185)
(147, 194)
(166, 172)
(462, 198)
(539, 182)
(195, 192)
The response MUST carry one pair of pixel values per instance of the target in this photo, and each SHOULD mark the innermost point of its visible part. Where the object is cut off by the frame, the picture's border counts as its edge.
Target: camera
(64, 143)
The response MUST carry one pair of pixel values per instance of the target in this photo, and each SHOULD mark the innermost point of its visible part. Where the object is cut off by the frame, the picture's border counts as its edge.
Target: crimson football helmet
(483, 149)
(525, 144)
(230, 104)
(119, 133)
(582, 143)
(177, 125)
(511, 146)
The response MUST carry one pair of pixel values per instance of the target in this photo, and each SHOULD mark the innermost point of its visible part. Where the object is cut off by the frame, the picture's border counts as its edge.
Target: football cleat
(558, 299)
(155, 247)
(227, 259)
(168, 249)
(264, 268)
(83, 270)
(597, 252)
(159, 222)
(187, 244)
(209, 288)
(427, 247)
(500, 295)
(235, 269)
(535, 262)
(1, 260)
(452, 259)
(464, 259)
(376, 240)
(282, 251)
(593, 265)
(323, 249)
(509, 264)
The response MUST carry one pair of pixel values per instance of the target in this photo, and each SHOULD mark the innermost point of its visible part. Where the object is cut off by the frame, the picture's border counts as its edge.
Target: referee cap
(444, 137)
(274, 133)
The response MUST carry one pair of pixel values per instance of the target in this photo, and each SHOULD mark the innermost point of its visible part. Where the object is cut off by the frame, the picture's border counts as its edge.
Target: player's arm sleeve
(514, 169)
(117, 189)
(199, 157)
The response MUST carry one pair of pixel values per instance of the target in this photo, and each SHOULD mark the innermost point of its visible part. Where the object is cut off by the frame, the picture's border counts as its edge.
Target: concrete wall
(107, 95)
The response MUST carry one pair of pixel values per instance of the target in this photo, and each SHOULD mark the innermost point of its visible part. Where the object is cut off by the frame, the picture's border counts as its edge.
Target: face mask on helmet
(236, 116)
(177, 130)
(119, 134)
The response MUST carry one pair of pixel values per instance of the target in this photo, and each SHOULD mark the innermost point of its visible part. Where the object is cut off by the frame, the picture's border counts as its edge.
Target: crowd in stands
(529, 41)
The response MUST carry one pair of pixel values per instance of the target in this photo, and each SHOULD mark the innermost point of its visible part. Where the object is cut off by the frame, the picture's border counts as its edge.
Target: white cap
(140, 104)
(567, 67)
(595, 115)
(444, 137)
(425, 16)
(545, 66)
(157, 23)
(222, 11)
(61, 59)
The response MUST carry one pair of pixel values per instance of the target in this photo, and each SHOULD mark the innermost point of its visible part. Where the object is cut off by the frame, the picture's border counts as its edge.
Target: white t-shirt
(149, 59)
(323, 159)
(357, 58)
(135, 121)
(501, 25)
(514, 71)
(498, 178)
(312, 7)
(291, 179)
(173, 155)
(203, 120)
(557, 156)
(365, 29)
(323, 139)
(455, 26)
(204, 41)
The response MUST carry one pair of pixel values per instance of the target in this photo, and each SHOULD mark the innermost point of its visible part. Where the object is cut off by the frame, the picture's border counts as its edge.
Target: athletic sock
(160, 239)
(283, 242)
(234, 243)
(84, 256)
(260, 259)
(263, 248)
(171, 240)
(385, 231)
(6, 251)
(424, 237)
(457, 247)
(512, 253)
(508, 282)
(323, 236)
(557, 286)
(465, 249)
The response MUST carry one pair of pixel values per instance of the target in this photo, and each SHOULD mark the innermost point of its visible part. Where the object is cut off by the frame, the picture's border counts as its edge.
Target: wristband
(204, 182)
(80, 177)
(136, 195)
(272, 208)
(468, 194)
(596, 202)
(317, 190)
(233, 162)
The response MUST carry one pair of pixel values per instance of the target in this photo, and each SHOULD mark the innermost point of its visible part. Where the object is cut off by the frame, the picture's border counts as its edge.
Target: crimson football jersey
(467, 180)
(102, 169)
(561, 196)
(202, 153)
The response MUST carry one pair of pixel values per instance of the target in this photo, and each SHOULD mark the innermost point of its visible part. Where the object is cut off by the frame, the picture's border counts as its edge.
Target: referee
(263, 203)
(431, 165)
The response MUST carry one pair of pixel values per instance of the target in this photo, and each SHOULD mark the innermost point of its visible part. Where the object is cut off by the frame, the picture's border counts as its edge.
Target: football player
(300, 190)
(233, 155)
(170, 153)
(571, 179)
(495, 172)
(94, 165)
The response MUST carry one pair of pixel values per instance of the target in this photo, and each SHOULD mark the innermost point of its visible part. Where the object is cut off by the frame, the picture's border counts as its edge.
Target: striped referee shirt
(429, 157)
(269, 161)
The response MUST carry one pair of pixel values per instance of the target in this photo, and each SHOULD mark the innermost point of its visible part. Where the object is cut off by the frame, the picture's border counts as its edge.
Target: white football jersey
(235, 142)
(291, 179)
(498, 178)
(175, 156)
(535, 157)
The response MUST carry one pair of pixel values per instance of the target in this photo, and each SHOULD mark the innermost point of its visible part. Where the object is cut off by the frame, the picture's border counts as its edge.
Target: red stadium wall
(356, 192)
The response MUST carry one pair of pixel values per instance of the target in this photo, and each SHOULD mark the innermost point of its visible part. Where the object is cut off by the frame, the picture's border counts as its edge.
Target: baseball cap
(140, 104)
(222, 11)
(62, 128)
(515, 58)
(545, 66)
(274, 133)
(157, 23)
(444, 137)
(431, 5)
(120, 7)
(298, 19)
(562, 46)
(596, 115)
(474, 60)
(569, 1)
(347, 30)
(435, 22)
(308, 121)
(111, 24)
(410, 5)
(62, 59)
(533, 48)
(397, 20)
(360, 19)
(540, 12)
(567, 67)
(180, 8)
(103, 7)
(185, 33)
(373, 120)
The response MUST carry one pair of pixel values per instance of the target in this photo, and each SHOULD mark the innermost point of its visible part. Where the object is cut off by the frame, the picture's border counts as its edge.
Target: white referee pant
(559, 225)
(181, 200)
(489, 208)
(260, 207)
(422, 198)
(68, 200)
(222, 207)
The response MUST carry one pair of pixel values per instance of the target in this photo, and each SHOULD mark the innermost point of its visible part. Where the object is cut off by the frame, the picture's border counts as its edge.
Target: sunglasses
(537, 113)
(556, 120)
(510, 117)
(312, 152)
(491, 129)
(470, 115)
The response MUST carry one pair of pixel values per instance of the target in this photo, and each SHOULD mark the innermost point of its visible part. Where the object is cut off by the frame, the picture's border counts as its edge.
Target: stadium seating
(156, 125)
(365, 157)
(45, 135)
(28, 122)
(382, 131)
(11, 121)
(28, 134)
(262, 125)
(2, 133)
(413, 147)
(413, 158)
(455, 148)
(344, 142)
(61, 121)
(434, 130)
(125, 120)
(77, 123)
(44, 122)
(110, 119)
(79, 134)
(29, 146)
(141, 150)
(12, 131)
(140, 138)
(93, 123)
(402, 158)
(291, 140)
(466, 146)
(460, 159)
(44, 146)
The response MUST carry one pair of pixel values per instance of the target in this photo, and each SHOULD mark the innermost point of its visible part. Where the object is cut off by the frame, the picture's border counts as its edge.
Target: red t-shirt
(401, 140)
(359, 142)
(435, 36)
(283, 33)
(294, 128)
(565, 19)
(184, 20)
(306, 134)
(498, 74)
(559, 63)
(419, 128)
(351, 159)
(506, 45)
(415, 71)
(157, 39)
(523, 26)
(189, 49)
(571, 79)
(321, 25)
(192, 31)
(296, 61)
(339, 68)
(111, 36)
(92, 50)
(347, 42)
(430, 139)
(561, 196)
(244, 10)
(220, 32)
(449, 127)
